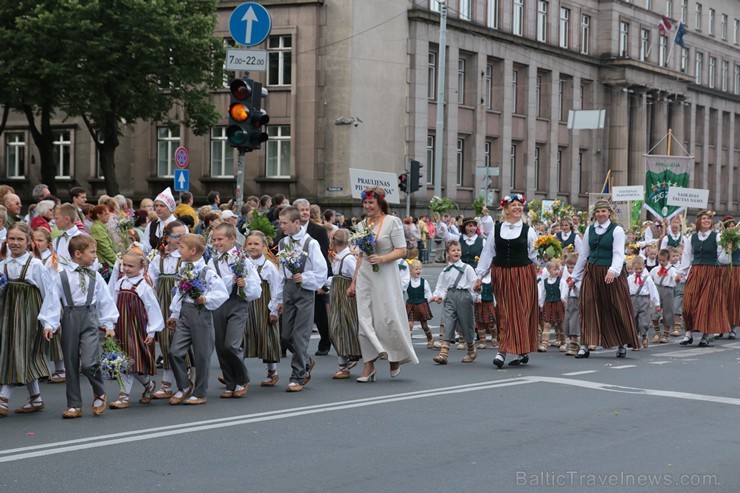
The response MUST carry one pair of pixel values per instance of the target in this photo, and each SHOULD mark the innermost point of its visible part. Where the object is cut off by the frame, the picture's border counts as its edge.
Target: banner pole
(670, 137)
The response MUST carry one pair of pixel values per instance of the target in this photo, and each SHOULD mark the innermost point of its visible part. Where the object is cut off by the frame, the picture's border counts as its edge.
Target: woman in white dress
(381, 310)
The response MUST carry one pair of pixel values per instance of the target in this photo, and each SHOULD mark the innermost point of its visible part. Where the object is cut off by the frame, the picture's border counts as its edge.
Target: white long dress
(381, 310)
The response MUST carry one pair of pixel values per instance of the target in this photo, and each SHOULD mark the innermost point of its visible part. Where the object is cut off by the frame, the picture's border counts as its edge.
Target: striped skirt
(131, 331)
(419, 312)
(553, 312)
(485, 313)
(21, 336)
(261, 338)
(54, 347)
(517, 311)
(703, 310)
(607, 317)
(343, 319)
(733, 294)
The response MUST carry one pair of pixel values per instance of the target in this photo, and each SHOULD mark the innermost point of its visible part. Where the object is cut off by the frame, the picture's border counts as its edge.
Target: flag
(662, 173)
(679, 35)
(664, 25)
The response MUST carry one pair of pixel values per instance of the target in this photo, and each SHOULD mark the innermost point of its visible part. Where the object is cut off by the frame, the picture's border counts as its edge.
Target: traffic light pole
(408, 204)
(240, 181)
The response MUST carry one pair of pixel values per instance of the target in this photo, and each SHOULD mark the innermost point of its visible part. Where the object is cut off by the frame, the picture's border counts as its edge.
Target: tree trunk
(44, 140)
(107, 131)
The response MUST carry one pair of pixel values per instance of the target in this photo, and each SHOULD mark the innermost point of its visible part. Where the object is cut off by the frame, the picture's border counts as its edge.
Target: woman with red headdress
(511, 251)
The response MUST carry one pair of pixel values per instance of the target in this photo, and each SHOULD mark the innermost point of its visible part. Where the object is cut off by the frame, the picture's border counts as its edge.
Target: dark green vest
(736, 256)
(570, 241)
(552, 291)
(486, 292)
(601, 245)
(705, 252)
(469, 252)
(673, 243)
(511, 253)
(416, 295)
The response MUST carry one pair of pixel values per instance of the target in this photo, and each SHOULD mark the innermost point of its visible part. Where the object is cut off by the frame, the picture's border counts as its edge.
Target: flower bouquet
(125, 225)
(439, 206)
(548, 247)
(292, 257)
(729, 240)
(364, 239)
(190, 284)
(114, 363)
(239, 268)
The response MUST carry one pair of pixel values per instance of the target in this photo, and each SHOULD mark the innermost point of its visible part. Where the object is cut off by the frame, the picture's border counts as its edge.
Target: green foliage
(258, 222)
(478, 204)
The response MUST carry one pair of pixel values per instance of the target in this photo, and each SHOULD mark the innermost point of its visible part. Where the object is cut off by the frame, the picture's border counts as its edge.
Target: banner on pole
(691, 198)
(662, 173)
(360, 179)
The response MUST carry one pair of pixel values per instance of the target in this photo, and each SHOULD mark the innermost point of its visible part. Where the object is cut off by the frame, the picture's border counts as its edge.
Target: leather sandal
(72, 412)
(164, 392)
(148, 394)
(121, 402)
(271, 380)
(3, 406)
(98, 410)
(32, 405)
(57, 377)
(241, 392)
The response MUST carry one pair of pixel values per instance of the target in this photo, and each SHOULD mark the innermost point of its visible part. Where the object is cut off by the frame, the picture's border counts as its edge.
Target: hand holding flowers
(364, 239)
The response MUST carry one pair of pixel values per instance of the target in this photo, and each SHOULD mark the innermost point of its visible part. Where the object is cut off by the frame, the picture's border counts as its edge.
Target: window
(432, 75)
(512, 164)
(712, 70)
(585, 33)
(542, 21)
(487, 154)
(278, 151)
(517, 23)
(63, 153)
(723, 27)
(684, 59)
(564, 28)
(644, 44)
(227, 74)
(697, 17)
(561, 98)
(710, 27)
(698, 66)
(684, 10)
(279, 60)
(725, 75)
(430, 159)
(669, 8)
(624, 38)
(434, 6)
(222, 156)
(559, 169)
(538, 95)
(15, 154)
(581, 175)
(737, 79)
(461, 81)
(460, 161)
(536, 168)
(515, 92)
(488, 87)
(736, 31)
(168, 140)
(493, 14)
(465, 10)
(663, 51)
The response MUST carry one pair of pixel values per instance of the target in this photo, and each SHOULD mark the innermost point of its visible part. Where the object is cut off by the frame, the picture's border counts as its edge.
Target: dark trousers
(321, 319)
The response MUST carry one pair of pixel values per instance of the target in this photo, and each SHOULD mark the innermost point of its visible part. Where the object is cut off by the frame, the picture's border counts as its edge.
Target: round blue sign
(250, 24)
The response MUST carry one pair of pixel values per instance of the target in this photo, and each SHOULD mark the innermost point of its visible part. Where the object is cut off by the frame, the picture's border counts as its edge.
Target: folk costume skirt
(703, 310)
(517, 310)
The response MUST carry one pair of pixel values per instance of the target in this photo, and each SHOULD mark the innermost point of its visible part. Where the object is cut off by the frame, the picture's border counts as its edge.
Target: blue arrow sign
(182, 180)
(250, 24)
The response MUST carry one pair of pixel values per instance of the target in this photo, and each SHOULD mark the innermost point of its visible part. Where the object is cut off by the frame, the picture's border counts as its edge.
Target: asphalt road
(663, 419)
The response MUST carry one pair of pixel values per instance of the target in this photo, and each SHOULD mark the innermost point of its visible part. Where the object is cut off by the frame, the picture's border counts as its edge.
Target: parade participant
(164, 206)
(470, 243)
(567, 236)
(664, 278)
(732, 280)
(673, 237)
(571, 293)
(419, 294)
(552, 306)
(644, 296)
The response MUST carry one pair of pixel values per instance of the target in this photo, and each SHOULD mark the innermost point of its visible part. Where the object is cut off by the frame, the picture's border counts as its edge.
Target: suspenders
(68, 292)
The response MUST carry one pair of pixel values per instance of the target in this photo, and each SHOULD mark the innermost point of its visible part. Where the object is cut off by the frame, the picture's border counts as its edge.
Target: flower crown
(510, 198)
(372, 195)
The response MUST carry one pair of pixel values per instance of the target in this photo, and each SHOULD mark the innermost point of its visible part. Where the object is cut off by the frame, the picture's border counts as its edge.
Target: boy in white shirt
(664, 278)
(642, 292)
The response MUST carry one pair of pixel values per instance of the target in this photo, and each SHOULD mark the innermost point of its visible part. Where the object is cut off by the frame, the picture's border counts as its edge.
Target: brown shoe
(311, 364)
(162, 393)
(121, 402)
(57, 377)
(241, 392)
(221, 379)
(71, 413)
(227, 394)
(195, 401)
(294, 387)
(341, 374)
(271, 380)
(148, 394)
(174, 400)
(98, 410)
(33, 405)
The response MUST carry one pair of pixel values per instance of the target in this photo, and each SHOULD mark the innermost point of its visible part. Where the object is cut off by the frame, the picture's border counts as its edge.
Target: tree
(110, 62)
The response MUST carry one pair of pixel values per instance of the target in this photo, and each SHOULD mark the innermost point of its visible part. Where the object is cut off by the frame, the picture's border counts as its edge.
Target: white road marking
(658, 362)
(574, 373)
(53, 448)
(622, 367)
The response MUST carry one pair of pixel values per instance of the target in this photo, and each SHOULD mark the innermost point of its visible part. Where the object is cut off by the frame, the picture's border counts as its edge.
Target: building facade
(353, 84)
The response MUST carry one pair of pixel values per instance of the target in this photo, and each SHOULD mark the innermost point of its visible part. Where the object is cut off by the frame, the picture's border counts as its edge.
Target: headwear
(167, 199)
(604, 204)
(727, 220)
(511, 198)
(709, 213)
(470, 220)
(372, 193)
(227, 214)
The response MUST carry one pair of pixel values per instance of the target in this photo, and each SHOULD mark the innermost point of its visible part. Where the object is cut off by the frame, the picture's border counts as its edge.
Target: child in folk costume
(262, 337)
(673, 237)
(703, 311)
(651, 256)
(230, 319)
(138, 321)
(162, 272)
(455, 289)
(419, 294)
(87, 308)
(43, 250)
(485, 317)
(343, 313)
(471, 245)
(29, 297)
(644, 295)
(567, 236)
(570, 293)
(551, 304)
(664, 278)
(191, 315)
(678, 290)
(65, 216)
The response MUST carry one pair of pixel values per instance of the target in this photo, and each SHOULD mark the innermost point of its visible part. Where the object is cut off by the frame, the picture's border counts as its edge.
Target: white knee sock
(142, 379)
(6, 391)
(342, 361)
(271, 366)
(168, 376)
(59, 366)
(128, 383)
(33, 388)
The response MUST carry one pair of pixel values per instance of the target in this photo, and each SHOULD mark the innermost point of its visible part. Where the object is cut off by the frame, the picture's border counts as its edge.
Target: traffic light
(403, 181)
(415, 177)
(246, 116)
